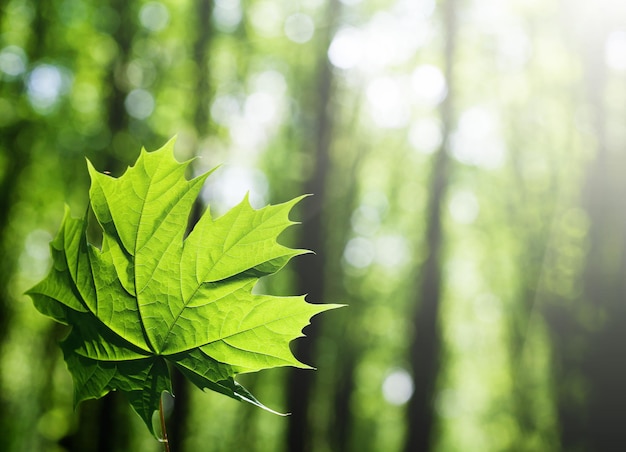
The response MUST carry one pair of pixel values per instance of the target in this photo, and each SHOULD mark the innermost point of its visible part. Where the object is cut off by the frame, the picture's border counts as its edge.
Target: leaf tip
(90, 166)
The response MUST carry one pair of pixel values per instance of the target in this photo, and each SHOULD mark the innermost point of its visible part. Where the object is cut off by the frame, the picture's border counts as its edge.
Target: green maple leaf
(151, 298)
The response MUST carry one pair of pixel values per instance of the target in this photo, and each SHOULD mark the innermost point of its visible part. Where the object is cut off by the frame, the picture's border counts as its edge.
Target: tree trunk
(310, 268)
(426, 343)
(180, 413)
(590, 369)
(108, 416)
(603, 278)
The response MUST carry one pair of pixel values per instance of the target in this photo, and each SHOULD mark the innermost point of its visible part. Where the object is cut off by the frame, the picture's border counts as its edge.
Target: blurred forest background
(467, 159)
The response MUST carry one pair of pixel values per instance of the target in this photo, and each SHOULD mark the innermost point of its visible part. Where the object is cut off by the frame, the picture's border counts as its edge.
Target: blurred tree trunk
(311, 268)
(572, 342)
(349, 347)
(344, 390)
(425, 347)
(202, 55)
(605, 268)
(532, 217)
(103, 423)
(16, 144)
(588, 333)
(202, 51)
(593, 419)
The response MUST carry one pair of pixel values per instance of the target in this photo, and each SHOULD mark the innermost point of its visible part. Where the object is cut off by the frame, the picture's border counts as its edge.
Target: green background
(467, 163)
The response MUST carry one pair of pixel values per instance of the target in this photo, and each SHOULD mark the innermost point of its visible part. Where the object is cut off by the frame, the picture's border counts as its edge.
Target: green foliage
(151, 298)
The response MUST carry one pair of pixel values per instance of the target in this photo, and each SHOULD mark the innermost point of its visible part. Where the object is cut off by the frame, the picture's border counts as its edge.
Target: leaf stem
(164, 440)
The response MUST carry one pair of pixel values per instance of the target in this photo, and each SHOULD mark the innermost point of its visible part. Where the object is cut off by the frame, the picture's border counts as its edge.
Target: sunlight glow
(247, 135)
(347, 48)
(393, 37)
(425, 135)
(615, 50)
(429, 85)
(230, 184)
(514, 48)
(415, 9)
(254, 119)
(388, 104)
(262, 108)
(389, 38)
(477, 140)
(270, 81)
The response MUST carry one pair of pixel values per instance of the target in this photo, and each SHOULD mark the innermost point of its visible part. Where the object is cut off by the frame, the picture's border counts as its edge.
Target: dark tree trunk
(565, 328)
(604, 272)
(180, 413)
(108, 416)
(202, 53)
(590, 370)
(344, 390)
(426, 343)
(310, 268)
(16, 144)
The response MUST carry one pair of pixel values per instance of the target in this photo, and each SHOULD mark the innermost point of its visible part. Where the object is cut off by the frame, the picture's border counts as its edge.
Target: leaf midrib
(185, 304)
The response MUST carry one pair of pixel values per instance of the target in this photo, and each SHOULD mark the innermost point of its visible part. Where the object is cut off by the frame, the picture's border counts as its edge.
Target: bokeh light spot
(346, 49)
(392, 251)
(45, 85)
(154, 16)
(227, 15)
(299, 28)
(398, 387)
(139, 103)
(359, 252)
(266, 18)
(230, 185)
(463, 207)
(225, 109)
(477, 140)
(425, 135)
(387, 101)
(429, 85)
(261, 107)
(12, 61)
(365, 220)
